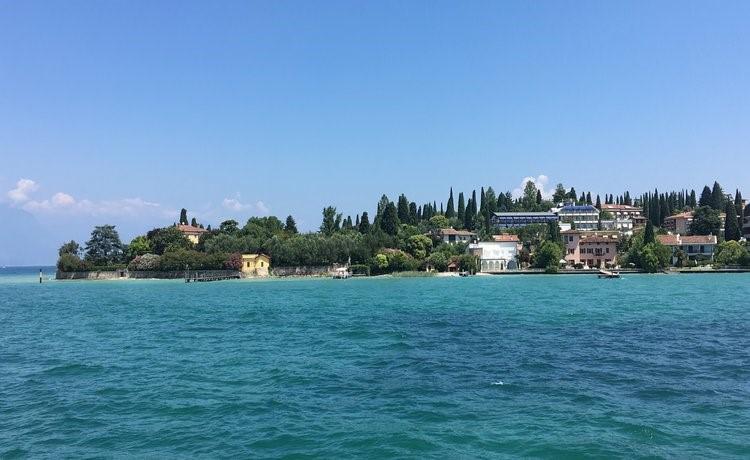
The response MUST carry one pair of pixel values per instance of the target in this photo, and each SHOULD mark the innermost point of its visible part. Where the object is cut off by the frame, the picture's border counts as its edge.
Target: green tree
(162, 239)
(731, 226)
(730, 253)
(390, 222)
(553, 232)
(450, 212)
(139, 246)
(419, 246)
(364, 223)
(548, 255)
(461, 213)
(194, 222)
(717, 197)
(229, 227)
(331, 221)
(648, 234)
(528, 201)
(560, 194)
(104, 247)
(291, 226)
(71, 247)
(183, 217)
(706, 197)
(706, 221)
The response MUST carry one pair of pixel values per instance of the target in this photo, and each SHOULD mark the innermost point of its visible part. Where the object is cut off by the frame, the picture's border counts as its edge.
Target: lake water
(533, 366)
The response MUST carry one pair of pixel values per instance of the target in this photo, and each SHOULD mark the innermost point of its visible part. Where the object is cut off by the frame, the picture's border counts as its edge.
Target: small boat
(341, 273)
(608, 274)
(463, 274)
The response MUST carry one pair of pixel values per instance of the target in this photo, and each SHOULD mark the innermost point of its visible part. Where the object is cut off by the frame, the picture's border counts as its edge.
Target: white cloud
(234, 204)
(64, 203)
(20, 194)
(541, 182)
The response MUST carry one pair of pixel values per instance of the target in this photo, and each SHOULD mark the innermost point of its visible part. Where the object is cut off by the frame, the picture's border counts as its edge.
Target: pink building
(593, 249)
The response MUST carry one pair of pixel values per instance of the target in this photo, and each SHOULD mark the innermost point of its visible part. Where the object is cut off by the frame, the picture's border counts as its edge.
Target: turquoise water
(536, 366)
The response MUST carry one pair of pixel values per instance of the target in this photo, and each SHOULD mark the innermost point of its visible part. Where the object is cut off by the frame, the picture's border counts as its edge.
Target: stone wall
(302, 271)
(93, 275)
(125, 274)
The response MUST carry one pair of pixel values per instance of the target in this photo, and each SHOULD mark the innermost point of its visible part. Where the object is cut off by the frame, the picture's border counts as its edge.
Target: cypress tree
(413, 218)
(538, 197)
(598, 202)
(692, 201)
(648, 234)
(403, 209)
(738, 206)
(390, 222)
(194, 222)
(183, 217)
(450, 212)
(588, 198)
(461, 213)
(706, 198)
(364, 223)
(717, 197)
(731, 227)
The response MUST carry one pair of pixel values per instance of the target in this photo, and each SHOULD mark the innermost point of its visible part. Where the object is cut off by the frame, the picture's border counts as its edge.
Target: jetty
(200, 278)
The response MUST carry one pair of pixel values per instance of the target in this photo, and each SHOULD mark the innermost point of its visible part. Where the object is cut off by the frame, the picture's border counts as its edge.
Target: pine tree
(450, 212)
(731, 226)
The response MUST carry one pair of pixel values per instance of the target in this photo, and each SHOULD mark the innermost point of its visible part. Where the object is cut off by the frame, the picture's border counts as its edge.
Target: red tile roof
(699, 239)
(453, 231)
(682, 215)
(506, 238)
(678, 240)
(669, 240)
(190, 229)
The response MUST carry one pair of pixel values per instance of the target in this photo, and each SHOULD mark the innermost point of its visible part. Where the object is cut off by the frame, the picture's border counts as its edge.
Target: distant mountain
(23, 240)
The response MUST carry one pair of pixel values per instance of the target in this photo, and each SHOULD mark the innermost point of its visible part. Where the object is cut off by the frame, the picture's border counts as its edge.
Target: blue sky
(124, 112)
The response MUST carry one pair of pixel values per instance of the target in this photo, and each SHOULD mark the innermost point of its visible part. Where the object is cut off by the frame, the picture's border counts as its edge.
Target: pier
(198, 278)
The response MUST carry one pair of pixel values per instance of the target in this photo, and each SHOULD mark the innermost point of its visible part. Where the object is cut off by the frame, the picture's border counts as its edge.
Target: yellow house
(255, 264)
(191, 233)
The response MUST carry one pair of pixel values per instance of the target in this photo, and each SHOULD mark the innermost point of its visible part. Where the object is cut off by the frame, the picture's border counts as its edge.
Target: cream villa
(255, 264)
(191, 233)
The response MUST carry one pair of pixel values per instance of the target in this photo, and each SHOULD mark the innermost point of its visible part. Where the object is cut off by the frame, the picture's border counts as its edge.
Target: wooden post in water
(40, 276)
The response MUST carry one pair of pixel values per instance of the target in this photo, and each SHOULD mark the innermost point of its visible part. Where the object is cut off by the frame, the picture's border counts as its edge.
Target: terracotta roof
(190, 229)
(682, 215)
(669, 240)
(699, 239)
(620, 207)
(453, 231)
(678, 240)
(506, 238)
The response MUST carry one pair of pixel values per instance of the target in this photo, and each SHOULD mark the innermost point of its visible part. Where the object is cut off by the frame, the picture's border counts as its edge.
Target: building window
(248, 264)
(607, 250)
(261, 265)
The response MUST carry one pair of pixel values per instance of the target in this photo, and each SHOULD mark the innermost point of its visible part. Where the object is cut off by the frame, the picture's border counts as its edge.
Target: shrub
(71, 263)
(146, 262)
(233, 261)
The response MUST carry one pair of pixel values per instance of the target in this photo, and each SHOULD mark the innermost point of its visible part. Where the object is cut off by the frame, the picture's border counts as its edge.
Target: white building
(497, 255)
(453, 236)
